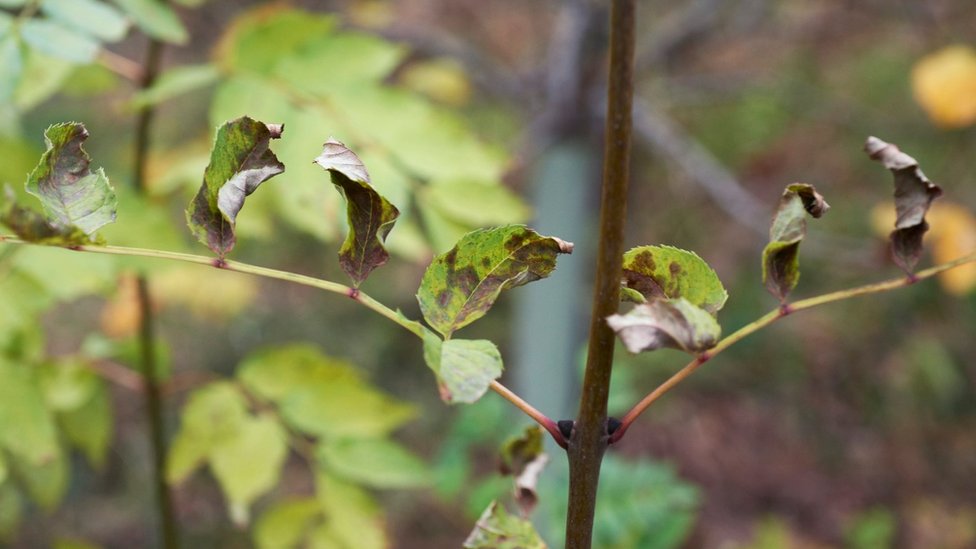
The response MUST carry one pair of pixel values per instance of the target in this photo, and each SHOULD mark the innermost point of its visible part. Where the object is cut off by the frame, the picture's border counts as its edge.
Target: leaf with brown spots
(668, 272)
(370, 216)
(781, 257)
(461, 285)
(239, 162)
(914, 194)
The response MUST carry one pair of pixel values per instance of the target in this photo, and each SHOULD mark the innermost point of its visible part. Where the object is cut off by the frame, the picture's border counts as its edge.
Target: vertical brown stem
(147, 342)
(589, 440)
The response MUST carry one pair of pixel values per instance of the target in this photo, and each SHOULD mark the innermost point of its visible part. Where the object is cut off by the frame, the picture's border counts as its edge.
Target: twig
(353, 293)
(147, 338)
(545, 421)
(121, 65)
(589, 438)
(773, 316)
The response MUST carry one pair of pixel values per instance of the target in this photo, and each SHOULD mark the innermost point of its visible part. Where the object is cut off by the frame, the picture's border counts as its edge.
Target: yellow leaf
(944, 84)
(442, 80)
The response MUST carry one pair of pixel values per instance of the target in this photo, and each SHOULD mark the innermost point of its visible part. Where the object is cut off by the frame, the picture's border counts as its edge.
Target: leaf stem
(545, 421)
(784, 310)
(327, 285)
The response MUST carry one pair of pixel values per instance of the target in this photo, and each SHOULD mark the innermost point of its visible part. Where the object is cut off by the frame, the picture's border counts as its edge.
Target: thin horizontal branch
(773, 316)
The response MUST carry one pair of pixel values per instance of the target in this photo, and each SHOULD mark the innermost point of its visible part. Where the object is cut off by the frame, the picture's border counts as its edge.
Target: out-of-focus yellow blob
(944, 84)
(952, 234)
(371, 14)
(442, 80)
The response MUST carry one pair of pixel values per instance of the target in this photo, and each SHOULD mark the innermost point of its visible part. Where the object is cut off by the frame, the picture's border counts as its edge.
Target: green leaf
(248, 463)
(27, 429)
(319, 395)
(375, 462)
(175, 82)
(781, 257)
(476, 203)
(370, 216)
(274, 373)
(464, 368)
(212, 413)
(353, 520)
(285, 524)
(156, 18)
(670, 273)
(59, 41)
(239, 162)
(89, 426)
(914, 194)
(43, 76)
(346, 408)
(461, 285)
(67, 384)
(259, 39)
(11, 61)
(46, 482)
(72, 195)
(360, 58)
(497, 529)
(11, 509)
(91, 17)
(676, 324)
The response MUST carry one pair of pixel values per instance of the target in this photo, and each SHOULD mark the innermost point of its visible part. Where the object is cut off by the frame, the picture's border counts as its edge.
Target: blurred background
(847, 426)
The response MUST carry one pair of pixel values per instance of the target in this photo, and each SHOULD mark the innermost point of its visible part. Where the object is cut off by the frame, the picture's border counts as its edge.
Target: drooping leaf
(59, 41)
(519, 451)
(523, 458)
(239, 162)
(461, 285)
(72, 195)
(374, 462)
(91, 17)
(248, 463)
(370, 216)
(464, 368)
(156, 18)
(176, 82)
(781, 257)
(914, 194)
(676, 324)
(34, 227)
(668, 272)
(285, 524)
(45, 482)
(497, 529)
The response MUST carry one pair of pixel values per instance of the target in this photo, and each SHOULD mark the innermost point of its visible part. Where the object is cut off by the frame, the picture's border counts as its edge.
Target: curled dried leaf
(370, 215)
(781, 257)
(914, 194)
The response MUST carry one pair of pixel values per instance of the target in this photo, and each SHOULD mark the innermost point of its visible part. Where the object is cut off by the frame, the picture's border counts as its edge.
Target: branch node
(785, 309)
(566, 428)
(353, 293)
(219, 263)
